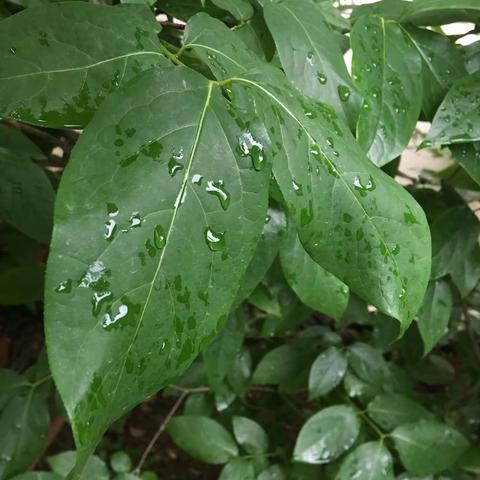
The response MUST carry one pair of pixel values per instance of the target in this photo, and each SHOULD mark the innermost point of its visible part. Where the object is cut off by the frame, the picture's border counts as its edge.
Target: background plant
(234, 227)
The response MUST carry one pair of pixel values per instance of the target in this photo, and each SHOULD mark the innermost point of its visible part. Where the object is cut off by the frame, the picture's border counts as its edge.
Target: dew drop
(12, 50)
(321, 78)
(215, 240)
(135, 220)
(218, 190)
(64, 287)
(344, 93)
(249, 146)
(159, 238)
(110, 228)
(197, 179)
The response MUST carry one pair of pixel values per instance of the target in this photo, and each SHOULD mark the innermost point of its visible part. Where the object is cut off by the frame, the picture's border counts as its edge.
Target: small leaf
(389, 410)
(434, 315)
(326, 373)
(57, 77)
(455, 248)
(428, 447)
(242, 10)
(370, 461)
(24, 426)
(64, 462)
(238, 469)
(327, 435)
(121, 462)
(368, 363)
(250, 435)
(310, 54)
(316, 288)
(458, 118)
(202, 438)
(387, 69)
(219, 356)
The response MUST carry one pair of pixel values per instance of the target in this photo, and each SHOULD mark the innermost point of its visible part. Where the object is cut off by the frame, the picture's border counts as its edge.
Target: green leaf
(455, 249)
(256, 36)
(428, 447)
(354, 220)
(64, 462)
(332, 15)
(24, 426)
(327, 372)
(202, 438)
(11, 384)
(370, 461)
(26, 194)
(238, 469)
(274, 472)
(21, 284)
(468, 156)
(219, 356)
(38, 476)
(242, 10)
(310, 54)
(327, 435)
(438, 12)
(388, 9)
(265, 253)
(442, 64)
(250, 435)
(146, 193)
(471, 55)
(315, 287)
(389, 410)
(368, 363)
(239, 375)
(387, 69)
(55, 76)
(121, 462)
(198, 404)
(263, 299)
(458, 118)
(434, 315)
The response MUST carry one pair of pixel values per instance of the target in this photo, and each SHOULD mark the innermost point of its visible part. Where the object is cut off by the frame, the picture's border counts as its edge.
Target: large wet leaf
(315, 287)
(442, 64)
(157, 218)
(438, 12)
(53, 75)
(354, 220)
(387, 69)
(310, 54)
(458, 118)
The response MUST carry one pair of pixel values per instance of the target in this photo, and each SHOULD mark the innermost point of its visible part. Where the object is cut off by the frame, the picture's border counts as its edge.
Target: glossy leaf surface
(369, 461)
(250, 435)
(327, 435)
(458, 118)
(326, 372)
(157, 192)
(310, 54)
(316, 162)
(211, 443)
(387, 69)
(428, 447)
(56, 76)
(316, 287)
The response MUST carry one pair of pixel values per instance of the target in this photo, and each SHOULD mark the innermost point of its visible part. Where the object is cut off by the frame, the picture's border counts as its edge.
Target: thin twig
(160, 430)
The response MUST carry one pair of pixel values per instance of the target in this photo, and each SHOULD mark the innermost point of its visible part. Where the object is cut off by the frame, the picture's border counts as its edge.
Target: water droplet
(249, 146)
(321, 78)
(12, 50)
(112, 210)
(109, 320)
(110, 228)
(364, 188)
(310, 58)
(64, 287)
(347, 217)
(344, 93)
(197, 179)
(159, 237)
(297, 188)
(98, 300)
(330, 142)
(218, 190)
(174, 165)
(215, 240)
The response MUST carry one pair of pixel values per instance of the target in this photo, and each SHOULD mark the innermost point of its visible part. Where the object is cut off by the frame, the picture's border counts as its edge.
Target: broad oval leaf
(442, 64)
(434, 315)
(238, 469)
(387, 69)
(389, 410)
(310, 54)
(327, 435)
(326, 372)
(354, 220)
(370, 461)
(202, 438)
(62, 464)
(428, 447)
(368, 363)
(250, 435)
(458, 118)
(55, 76)
(157, 218)
(316, 288)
